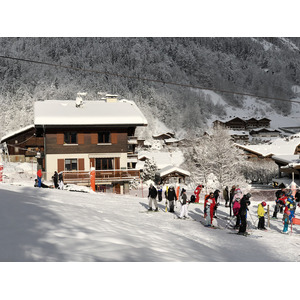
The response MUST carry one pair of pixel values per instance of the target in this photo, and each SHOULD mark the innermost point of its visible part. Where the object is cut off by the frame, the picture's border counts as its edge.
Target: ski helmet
(263, 203)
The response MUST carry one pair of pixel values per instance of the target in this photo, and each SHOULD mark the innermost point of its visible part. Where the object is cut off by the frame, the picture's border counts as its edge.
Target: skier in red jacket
(197, 192)
(209, 205)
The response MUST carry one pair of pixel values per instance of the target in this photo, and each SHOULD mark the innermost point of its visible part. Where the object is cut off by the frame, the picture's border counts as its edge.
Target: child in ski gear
(289, 213)
(230, 198)
(209, 209)
(226, 196)
(279, 202)
(184, 205)
(171, 196)
(197, 192)
(261, 215)
(245, 202)
(55, 179)
(216, 196)
(236, 212)
(159, 193)
(152, 197)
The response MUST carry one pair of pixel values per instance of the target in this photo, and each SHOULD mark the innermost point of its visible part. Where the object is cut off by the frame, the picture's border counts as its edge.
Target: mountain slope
(260, 66)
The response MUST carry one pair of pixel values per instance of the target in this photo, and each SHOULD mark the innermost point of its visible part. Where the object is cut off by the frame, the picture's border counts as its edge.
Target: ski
(246, 235)
(184, 219)
(212, 226)
(149, 211)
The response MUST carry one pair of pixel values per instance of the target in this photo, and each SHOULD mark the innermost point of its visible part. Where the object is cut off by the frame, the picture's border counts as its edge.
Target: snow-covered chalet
(73, 136)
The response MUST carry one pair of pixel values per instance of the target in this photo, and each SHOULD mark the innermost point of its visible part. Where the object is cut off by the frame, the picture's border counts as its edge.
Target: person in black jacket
(171, 196)
(152, 197)
(245, 202)
(55, 179)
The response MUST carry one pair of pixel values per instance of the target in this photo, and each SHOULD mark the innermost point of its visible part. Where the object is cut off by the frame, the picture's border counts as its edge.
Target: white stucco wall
(51, 160)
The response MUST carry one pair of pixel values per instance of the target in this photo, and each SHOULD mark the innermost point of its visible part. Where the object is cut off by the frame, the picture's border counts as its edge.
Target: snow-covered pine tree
(149, 170)
(216, 154)
(226, 160)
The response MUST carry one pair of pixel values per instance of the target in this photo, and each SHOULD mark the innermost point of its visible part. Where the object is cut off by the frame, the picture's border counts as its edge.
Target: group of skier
(234, 199)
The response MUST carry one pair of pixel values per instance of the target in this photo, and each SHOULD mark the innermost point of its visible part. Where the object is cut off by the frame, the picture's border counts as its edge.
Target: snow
(279, 146)
(10, 134)
(162, 158)
(65, 112)
(48, 225)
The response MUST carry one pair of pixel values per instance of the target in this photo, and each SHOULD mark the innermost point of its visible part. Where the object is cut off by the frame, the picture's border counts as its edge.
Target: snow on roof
(170, 169)
(171, 140)
(238, 132)
(11, 134)
(65, 112)
(280, 146)
(163, 159)
(286, 158)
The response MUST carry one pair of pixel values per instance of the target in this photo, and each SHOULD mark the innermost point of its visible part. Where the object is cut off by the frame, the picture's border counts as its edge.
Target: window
(104, 163)
(71, 164)
(70, 138)
(103, 137)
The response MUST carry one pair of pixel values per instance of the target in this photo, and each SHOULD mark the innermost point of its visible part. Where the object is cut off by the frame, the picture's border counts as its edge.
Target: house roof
(171, 169)
(13, 133)
(280, 146)
(65, 112)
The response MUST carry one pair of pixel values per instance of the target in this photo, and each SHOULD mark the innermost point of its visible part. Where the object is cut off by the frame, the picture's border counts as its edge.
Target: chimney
(79, 100)
(111, 98)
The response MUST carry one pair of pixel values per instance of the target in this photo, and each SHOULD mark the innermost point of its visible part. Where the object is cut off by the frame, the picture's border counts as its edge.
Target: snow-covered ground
(54, 225)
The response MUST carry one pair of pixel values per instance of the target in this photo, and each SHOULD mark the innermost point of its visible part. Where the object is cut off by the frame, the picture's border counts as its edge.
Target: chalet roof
(236, 119)
(171, 169)
(11, 134)
(286, 159)
(171, 140)
(65, 112)
(264, 130)
(280, 146)
(264, 119)
(252, 119)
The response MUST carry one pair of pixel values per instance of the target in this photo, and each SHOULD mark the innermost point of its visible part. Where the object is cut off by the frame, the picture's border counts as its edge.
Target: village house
(240, 124)
(73, 136)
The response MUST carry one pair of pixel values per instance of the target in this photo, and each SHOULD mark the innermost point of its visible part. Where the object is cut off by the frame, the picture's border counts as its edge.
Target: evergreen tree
(149, 170)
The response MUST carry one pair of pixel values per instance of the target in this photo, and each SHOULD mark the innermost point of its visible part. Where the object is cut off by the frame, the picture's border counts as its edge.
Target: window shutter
(81, 164)
(92, 162)
(117, 163)
(114, 138)
(80, 138)
(60, 138)
(94, 138)
(60, 165)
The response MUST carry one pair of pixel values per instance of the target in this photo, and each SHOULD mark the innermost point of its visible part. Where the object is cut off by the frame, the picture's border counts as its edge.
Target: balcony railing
(102, 176)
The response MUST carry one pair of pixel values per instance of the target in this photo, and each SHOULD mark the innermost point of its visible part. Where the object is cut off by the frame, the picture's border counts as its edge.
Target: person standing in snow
(230, 199)
(216, 196)
(279, 202)
(245, 202)
(236, 212)
(226, 196)
(184, 204)
(197, 192)
(289, 212)
(39, 178)
(60, 181)
(261, 216)
(209, 206)
(152, 197)
(55, 180)
(159, 192)
(171, 196)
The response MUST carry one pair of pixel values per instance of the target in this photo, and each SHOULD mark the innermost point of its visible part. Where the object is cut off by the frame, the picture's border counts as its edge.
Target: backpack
(236, 208)
(193, 198)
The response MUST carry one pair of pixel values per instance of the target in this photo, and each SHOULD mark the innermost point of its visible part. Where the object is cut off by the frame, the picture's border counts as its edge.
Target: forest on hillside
(261, 66)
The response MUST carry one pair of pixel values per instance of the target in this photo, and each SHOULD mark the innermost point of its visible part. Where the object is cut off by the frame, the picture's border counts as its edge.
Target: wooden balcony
(102, 176)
